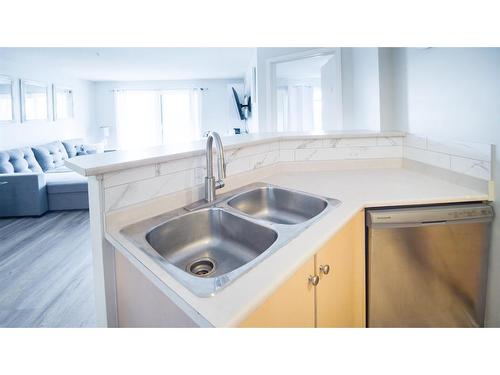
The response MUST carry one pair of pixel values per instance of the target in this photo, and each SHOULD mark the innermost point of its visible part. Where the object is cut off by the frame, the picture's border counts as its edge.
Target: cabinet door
(292, 305)
(340, 294)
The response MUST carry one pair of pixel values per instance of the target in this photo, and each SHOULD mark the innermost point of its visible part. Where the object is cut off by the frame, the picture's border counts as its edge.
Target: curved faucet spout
(211, 185)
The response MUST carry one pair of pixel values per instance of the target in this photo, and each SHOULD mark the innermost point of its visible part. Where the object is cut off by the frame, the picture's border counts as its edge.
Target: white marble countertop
(95, 164)
(356, 188)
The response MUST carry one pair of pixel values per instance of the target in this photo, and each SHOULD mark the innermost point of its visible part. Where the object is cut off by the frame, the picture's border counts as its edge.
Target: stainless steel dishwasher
(426, 266)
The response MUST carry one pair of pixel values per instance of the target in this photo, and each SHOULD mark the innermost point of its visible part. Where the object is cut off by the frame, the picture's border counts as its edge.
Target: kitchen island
(361, 170)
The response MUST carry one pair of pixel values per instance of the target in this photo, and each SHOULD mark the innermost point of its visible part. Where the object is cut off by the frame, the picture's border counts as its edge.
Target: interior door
(340, 294)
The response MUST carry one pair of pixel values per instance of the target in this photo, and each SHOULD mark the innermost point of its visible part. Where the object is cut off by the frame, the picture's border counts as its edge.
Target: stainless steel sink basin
(210, 242)
(278, 205)
(206, 246)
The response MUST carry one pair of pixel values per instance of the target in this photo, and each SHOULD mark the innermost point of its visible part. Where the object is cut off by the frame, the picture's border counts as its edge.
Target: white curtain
(137, 119)
(282, 110)
(181, 115)
(318, 108)
(147, 118)
(295, 108)
(300, 108)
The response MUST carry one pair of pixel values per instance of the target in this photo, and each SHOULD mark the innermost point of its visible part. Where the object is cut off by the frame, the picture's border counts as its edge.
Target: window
(181, 110)
(137, 119)
(152, 117)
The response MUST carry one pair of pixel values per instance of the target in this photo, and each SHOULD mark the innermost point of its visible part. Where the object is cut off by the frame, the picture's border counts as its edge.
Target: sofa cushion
(50, 155)
(86, 150)
(72, 146)
(76, 147)
(62, 169)
(69, 182)
(19, 160)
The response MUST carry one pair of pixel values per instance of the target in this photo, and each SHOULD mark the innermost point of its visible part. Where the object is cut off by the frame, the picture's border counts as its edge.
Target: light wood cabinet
(340, 294)
(292, 305)
(338, 300)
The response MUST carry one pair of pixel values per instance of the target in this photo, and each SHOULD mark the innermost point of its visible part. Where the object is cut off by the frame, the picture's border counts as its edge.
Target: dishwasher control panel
(429, 214)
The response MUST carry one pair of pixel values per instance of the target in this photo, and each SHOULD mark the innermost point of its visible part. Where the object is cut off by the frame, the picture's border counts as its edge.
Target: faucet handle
(219, 184)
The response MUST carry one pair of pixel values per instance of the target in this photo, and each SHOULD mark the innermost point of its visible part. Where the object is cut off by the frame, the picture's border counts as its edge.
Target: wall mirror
(63, 103)
(6, 99)
(34, 100)
(305, 92)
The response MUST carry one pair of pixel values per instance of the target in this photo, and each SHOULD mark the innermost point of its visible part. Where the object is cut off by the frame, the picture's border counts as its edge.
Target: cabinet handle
(324, 269)
(314, 280)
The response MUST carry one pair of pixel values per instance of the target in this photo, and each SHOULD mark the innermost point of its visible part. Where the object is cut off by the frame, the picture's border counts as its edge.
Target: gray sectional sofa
(34, 180)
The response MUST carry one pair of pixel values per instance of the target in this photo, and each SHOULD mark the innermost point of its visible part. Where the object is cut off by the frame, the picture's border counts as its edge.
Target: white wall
(253, 121)
(455, 93)
(386, 86)
(360, 89)
(218, 110)
(37, 132)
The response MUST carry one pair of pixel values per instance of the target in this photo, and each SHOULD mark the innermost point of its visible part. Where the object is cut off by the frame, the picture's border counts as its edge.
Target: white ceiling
(307, 68)
(131, 64)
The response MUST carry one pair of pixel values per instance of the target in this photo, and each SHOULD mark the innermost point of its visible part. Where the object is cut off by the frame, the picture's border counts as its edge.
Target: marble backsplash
(468, 158)
(135, 185)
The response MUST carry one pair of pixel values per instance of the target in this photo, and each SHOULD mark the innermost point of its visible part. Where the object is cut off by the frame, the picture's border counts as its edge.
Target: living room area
(44, 225)
(61, 103)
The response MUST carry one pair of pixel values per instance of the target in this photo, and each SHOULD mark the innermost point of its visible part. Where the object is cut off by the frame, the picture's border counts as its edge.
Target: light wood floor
(46, 272)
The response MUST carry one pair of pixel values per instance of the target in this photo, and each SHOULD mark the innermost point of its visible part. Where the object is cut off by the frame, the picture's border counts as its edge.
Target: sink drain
(201, 267)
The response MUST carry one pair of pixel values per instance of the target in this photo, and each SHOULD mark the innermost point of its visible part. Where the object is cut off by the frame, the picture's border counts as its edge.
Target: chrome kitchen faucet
(211, 185)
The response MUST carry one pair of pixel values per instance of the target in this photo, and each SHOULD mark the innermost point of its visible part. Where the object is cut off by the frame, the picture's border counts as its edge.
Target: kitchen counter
(95, 164)
(356, 188)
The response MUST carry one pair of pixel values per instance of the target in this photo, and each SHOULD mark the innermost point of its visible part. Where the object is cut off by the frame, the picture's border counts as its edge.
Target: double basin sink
(207, 247)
